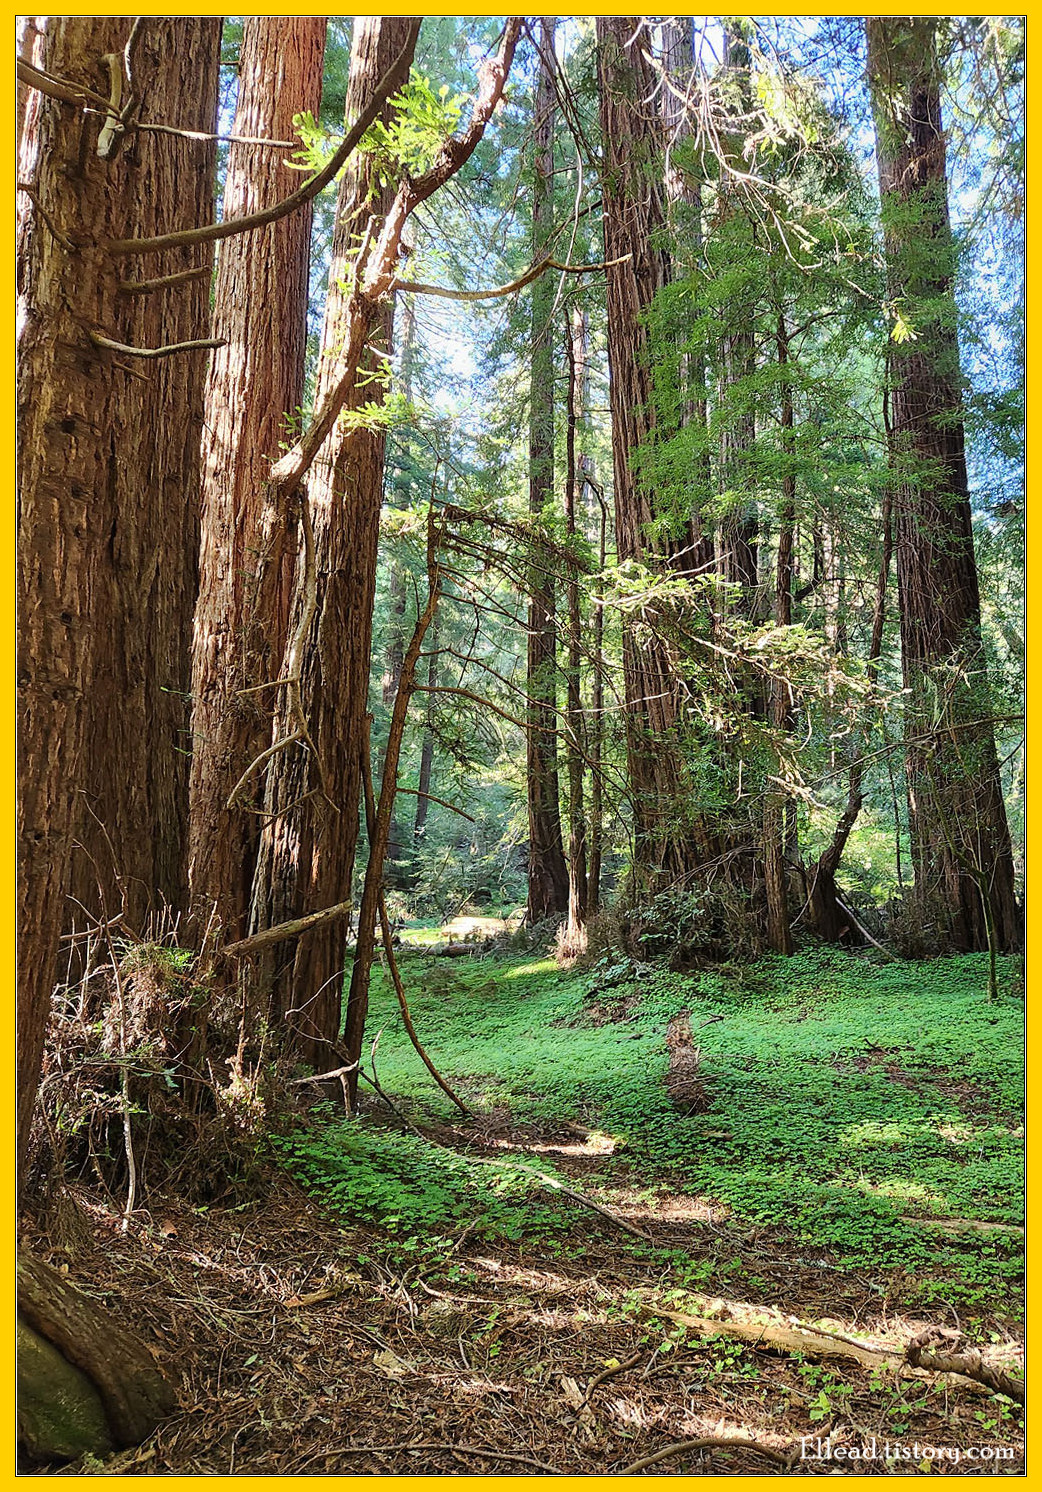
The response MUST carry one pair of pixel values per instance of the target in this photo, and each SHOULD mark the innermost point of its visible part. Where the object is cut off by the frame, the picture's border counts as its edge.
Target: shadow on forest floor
(526, 1335)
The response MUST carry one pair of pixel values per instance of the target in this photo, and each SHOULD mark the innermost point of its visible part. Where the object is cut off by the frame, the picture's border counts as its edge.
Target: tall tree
(547, 871)
(254, 391)
(667, 847)
(135, 824)
(960, 840)
(107, 484)
(312, 794)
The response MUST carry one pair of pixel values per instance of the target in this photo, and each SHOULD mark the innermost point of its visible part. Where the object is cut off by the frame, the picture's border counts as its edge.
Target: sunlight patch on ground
(526, 971)
(595, 1144)
(665, 1206)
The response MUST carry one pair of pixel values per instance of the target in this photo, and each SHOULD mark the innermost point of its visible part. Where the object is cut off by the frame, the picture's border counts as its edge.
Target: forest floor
(822, 1155)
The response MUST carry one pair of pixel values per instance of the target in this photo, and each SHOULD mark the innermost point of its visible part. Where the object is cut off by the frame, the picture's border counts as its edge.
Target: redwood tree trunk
(575, 332)
(106, 505)
(669, 843)
(135, 824)
(255, 387)
(307, 852)
(960, 840)
(547, 871)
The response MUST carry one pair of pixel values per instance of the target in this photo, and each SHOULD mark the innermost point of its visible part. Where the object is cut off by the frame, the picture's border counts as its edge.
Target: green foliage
(410, 1187)
(843, 1095)
(423, 121)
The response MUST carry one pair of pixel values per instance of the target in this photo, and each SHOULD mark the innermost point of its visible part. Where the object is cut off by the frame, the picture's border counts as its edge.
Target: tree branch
(152, 352)
(285, 930)
(526, 278)
(395, 77)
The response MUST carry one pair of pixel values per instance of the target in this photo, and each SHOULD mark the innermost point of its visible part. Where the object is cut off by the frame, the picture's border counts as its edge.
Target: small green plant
(410, 1187)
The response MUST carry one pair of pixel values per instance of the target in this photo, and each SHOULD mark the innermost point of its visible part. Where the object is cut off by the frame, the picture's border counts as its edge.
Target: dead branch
(920, 1354)
(153, 352)
(525, 278)
(60, 88)
(622, 1367)
(322, 1077)
(146, 287)
(711, 1442)
(464, 1450)
(284, 930)
(415, 793)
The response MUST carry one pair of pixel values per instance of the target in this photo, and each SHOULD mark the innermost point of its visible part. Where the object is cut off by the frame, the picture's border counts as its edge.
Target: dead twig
(711, 1442)
(463, 1450)
(620, 1367)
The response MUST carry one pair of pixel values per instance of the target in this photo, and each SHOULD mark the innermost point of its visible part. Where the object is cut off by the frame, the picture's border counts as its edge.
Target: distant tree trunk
(394, 652)
(666, 846)
(779, 933)
(959, 835)
(307, 851)
(135, 827)
(824, 911)
(739, 529)
(105, 490)
(427, 748)
(575, 938)
(684, 210)
(547, 871)
(254, 392)
(314, 773)
(596, 733)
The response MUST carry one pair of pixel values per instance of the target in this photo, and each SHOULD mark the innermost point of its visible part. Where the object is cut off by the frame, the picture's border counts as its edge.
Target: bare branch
(146, 287)
(153, 352)
(396, 75)
(59, 88)
(526, 278)
(285, 930)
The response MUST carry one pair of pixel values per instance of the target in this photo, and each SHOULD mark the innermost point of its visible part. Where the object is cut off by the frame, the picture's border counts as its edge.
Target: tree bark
(307, 851)
(98, 469)
(739, 530)
(575, 936)
(134, 825)
(253, 395)
(960, 841)
(666, 849)
(135, 1395)
(779, 933)
(308, 844)
(547, 871)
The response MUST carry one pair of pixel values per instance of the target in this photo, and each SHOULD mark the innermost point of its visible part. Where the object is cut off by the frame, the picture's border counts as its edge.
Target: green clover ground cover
(845, 1095)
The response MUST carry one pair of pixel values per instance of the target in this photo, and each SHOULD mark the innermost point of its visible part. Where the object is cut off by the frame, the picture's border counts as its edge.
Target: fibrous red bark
(254, 391)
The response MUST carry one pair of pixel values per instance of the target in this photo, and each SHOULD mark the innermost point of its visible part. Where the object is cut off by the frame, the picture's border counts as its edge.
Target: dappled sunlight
(594, 1144)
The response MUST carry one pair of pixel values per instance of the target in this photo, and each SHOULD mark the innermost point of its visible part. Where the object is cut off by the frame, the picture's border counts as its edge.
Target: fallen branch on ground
(815, 1343)
(463, 1450)
(620, 1367)
(920, 1354)
(711, 1442)
(963, 1224)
